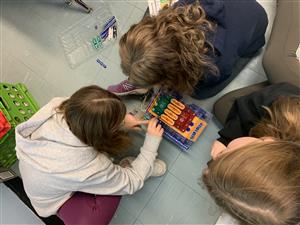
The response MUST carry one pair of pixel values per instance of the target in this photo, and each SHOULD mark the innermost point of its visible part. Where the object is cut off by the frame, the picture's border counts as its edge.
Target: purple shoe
(125, 88)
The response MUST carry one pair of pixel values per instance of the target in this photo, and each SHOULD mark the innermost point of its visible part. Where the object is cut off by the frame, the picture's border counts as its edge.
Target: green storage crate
(7, 142)
(17, 105)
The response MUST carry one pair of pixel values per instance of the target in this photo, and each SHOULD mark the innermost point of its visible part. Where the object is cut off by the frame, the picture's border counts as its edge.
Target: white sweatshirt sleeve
(116, 180)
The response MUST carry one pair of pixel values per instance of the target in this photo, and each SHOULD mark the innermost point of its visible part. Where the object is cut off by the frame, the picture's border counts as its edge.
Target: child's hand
(154, 128)
(133, 123)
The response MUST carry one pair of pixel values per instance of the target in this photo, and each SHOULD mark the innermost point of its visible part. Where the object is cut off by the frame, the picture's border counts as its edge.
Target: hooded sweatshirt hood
(45, 142)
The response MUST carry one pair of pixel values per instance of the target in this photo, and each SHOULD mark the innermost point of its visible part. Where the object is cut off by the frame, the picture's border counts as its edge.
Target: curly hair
(282, 120)
(170, 50)
(95, 116)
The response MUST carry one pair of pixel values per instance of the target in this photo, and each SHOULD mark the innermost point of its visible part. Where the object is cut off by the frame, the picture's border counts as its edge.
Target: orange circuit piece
(178, 104)
(167, 120)
(174, 109)
(170, 114)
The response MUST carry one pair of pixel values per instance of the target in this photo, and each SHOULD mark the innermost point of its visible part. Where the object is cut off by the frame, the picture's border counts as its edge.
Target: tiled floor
(31, 53)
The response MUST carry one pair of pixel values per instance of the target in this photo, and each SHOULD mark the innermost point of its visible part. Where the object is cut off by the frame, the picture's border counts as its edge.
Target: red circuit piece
(185, 119)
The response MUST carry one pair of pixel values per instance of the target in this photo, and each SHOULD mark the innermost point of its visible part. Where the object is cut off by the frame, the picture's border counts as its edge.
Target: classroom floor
(32, 53)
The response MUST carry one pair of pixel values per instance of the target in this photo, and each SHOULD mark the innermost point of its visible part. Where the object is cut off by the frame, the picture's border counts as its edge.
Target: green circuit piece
(97, 42)
(161, 105)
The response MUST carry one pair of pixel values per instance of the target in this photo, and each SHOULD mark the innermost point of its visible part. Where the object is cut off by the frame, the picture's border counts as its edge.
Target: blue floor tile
(13, 211)
(176, 203)
(122, 216)
(140, 4)
(136, 203)
(188, 167)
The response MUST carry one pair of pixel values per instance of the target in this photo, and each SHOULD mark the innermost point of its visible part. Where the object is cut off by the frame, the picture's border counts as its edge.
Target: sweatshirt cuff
(151, 143)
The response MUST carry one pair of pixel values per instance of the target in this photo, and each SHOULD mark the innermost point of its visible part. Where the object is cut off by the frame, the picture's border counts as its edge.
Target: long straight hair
(95, 116)
(258, 184)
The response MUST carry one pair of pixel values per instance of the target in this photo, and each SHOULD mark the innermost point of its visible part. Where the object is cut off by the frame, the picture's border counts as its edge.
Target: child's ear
(217, 148)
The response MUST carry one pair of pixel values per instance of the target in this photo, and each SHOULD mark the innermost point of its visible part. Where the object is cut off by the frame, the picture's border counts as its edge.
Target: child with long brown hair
(256, 179)
(190, 47)
(64, 155)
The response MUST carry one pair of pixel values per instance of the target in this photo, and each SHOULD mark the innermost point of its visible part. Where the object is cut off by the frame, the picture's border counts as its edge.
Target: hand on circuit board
(133, 123)
(154, 128)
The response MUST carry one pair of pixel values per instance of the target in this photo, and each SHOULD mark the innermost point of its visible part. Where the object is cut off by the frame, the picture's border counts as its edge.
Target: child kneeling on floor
(64, 156)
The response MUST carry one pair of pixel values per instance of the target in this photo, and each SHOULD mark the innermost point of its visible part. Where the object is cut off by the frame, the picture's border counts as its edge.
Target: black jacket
(247, 110)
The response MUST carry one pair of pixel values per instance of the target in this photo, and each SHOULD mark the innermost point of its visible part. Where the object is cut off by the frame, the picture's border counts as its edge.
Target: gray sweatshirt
(54, 163)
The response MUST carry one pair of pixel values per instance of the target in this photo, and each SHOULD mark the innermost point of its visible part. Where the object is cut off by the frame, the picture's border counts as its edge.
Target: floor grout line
(258, 73)
(189, 185)
(156, 189)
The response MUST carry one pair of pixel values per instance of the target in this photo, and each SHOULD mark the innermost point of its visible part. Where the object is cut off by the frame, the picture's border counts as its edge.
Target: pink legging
(88, 209)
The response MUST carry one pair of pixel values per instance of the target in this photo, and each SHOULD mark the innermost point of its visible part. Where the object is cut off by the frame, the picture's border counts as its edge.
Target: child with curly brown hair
(190, 47)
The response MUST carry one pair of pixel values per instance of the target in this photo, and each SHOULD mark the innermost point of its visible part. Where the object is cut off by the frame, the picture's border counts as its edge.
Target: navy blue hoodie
(241, 25)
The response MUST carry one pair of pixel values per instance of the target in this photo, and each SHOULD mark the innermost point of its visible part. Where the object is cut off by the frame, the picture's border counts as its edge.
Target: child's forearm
(145, 160)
